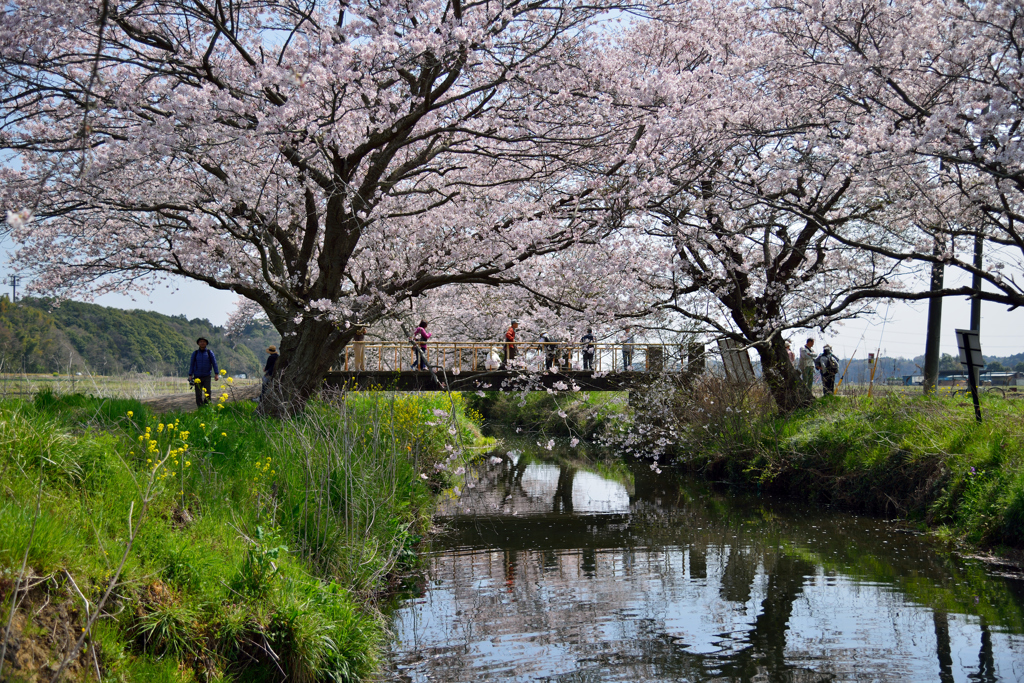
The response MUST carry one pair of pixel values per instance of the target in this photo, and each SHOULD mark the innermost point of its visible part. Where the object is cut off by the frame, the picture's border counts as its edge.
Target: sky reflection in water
(552, 573)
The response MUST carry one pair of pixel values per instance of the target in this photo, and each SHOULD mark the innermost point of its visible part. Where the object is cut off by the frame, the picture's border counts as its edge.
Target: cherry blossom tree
(326, 161)
(742, 192)
(938, 92)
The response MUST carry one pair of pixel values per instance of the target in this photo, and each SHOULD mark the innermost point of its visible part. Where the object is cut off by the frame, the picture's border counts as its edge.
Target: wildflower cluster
(166, 449)
(262, 470)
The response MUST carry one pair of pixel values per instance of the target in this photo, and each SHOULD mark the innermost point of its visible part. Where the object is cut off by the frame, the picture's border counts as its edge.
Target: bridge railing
(392, 356)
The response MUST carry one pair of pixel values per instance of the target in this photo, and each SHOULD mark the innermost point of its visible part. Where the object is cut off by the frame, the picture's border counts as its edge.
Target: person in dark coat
(201, 369)
(828, 366)
(588, 349)
(268, 369)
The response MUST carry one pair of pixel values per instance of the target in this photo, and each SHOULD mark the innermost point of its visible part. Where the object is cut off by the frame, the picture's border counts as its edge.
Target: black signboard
(969, 342)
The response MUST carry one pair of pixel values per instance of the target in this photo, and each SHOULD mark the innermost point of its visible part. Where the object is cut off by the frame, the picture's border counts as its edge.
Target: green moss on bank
(922, 457)
(257, 547)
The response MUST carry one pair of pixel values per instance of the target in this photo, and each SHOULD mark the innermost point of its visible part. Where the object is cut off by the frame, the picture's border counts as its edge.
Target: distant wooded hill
(75, 337)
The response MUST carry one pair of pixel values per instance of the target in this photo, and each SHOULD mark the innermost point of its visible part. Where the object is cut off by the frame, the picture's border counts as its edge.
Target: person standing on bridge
(359, 349)
(627, 348)
(587, 341)
(510, 343)
(547, 346)
(201, 367)
(421, 336)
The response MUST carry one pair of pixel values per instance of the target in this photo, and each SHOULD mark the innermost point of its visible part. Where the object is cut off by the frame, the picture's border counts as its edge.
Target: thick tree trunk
(782, 378)
(307, 355)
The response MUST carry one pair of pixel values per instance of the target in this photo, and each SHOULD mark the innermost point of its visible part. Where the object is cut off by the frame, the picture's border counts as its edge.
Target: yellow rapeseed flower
(130, 414)
(188, 463)
(198, 381)
(223, 372)
(224, 434)
(160, 428)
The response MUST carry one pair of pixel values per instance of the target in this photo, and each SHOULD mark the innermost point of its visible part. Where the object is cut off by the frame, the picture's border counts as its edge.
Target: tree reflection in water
(551, 572)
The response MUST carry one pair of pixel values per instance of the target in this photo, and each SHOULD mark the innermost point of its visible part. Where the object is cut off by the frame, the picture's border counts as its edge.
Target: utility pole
(931, 344)
(14, 280)
(979, 243)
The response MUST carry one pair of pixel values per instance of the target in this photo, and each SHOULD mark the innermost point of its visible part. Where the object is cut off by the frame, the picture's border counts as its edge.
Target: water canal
(556, 572)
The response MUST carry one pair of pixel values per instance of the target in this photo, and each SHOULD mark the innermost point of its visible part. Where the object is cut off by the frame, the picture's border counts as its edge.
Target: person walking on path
(828, 366)
(588, 349)
(627, 349)
(806, 365)
(359, 348)
(792, 356)
(419, 338)
(268, 369)
(202, 366)
(510, 343)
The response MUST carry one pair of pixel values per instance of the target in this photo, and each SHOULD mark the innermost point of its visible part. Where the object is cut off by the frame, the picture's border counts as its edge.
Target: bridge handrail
(383, 356)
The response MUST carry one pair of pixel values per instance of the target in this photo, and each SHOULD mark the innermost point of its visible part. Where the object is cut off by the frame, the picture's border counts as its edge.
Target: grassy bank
(923, 458)
(214, 546)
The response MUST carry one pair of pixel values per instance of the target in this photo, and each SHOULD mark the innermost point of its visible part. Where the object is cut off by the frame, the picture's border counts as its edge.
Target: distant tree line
(37, 336)
(858, 370)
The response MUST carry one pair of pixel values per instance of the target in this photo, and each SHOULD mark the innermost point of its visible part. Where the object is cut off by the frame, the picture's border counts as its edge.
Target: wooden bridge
(473, 366)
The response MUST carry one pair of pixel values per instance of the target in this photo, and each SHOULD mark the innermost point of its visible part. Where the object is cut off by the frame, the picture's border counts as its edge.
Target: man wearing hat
(200, 370)
(510, 342)
(828, 366)
(268, 369)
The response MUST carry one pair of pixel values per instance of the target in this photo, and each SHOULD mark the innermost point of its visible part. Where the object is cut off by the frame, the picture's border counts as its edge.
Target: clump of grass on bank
(213, 545)
(922, 457)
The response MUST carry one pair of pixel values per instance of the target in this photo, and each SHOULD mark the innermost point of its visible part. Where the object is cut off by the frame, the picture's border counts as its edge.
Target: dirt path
(186, 403)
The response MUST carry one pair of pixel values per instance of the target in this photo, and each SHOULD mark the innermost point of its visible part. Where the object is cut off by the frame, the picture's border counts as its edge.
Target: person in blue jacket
(201, 369)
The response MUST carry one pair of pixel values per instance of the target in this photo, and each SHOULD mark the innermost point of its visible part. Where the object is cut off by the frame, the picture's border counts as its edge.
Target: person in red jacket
(510, 342)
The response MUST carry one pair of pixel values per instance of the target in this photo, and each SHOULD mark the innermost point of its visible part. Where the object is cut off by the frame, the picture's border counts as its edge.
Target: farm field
(136, 385)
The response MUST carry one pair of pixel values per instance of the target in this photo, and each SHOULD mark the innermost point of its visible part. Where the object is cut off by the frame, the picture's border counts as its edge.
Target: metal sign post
(969, 342)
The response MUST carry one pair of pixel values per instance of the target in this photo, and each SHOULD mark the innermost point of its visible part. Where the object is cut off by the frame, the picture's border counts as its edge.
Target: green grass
(257, 546)
(922, 457)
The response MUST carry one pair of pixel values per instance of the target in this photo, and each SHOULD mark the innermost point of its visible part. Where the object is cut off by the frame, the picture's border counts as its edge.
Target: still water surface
(550, 572)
